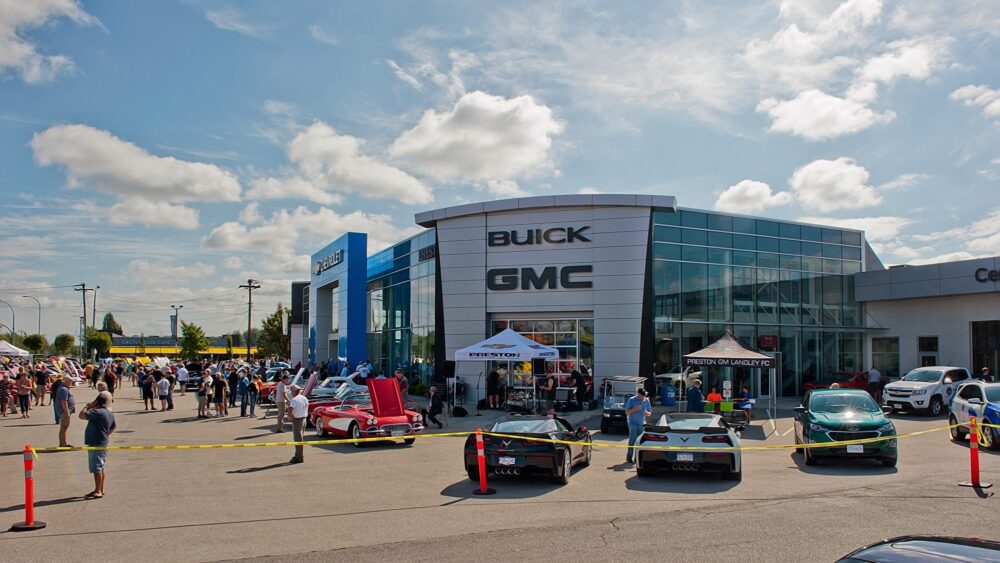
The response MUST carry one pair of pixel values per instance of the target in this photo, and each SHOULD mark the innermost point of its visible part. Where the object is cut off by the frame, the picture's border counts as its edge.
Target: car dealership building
(620, 284)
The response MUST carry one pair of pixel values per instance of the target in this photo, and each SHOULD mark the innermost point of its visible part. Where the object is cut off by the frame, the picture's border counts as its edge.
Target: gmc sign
(552, 277)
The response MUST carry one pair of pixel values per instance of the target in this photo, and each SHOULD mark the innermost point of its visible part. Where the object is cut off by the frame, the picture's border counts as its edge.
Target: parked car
(522, 454)
(981, 400)
(926, 549)
(845, 379)
(695, 430)
(838, 415)
(615, 391)
(267, 390)
(383, 417)
(680, 377)
(926, 389)
(345, 395)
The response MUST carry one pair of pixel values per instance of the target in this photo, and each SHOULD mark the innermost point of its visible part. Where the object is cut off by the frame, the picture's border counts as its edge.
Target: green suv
(838, 415)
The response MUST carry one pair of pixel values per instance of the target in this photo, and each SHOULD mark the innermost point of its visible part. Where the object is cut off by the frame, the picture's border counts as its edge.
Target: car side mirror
(975, 401)
(800, 410)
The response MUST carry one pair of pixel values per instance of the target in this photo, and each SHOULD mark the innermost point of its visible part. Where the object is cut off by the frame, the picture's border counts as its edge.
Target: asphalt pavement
(415, 503)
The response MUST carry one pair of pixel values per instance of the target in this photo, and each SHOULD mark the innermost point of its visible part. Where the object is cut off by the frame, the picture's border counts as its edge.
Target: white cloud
(280, 234)
(981, 96)
(750, 196)
(319, 34)
(877, 229)
(135, 211)
(910, 58)
(233, 263)
(96, 159)
(590, 190)
(505, 188)
(946, 257)
(277, 107)
(153, 272)
(904, 181)
(229, 19)
(483, 137)
(28, 246)
(828, 185)
(405, 75)
(19, 54)
(328, 162)
(815, 115)
(251, 214)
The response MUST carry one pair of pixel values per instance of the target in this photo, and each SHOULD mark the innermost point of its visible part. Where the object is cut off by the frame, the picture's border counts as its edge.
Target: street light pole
(251, 285)
(177, 324)
(13, 319)
(39, 303)
(93, 317)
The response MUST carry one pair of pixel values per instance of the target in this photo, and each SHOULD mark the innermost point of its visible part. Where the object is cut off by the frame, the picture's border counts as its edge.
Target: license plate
(395, 433)
(855, 449)
(685, 457)
(507, 461)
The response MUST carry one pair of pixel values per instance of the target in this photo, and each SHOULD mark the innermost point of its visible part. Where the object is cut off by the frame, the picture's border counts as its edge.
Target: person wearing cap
(65, 406)
(985, 375)
(100, 426)
(637, 408)
(298, 410)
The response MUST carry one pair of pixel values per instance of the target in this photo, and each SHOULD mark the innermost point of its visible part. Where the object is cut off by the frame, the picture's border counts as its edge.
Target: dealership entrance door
(986, 347)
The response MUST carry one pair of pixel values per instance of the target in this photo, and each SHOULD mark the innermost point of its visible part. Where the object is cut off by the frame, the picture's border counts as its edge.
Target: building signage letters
(330, 261)
(984, 275)
(555, 235)
(427, 252)
(552, 277)
(729, 362)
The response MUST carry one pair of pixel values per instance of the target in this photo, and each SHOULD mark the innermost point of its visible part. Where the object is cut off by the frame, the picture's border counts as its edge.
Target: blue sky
(167, 151)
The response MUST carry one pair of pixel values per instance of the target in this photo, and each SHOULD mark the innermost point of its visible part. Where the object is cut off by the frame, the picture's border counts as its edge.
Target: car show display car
(615, 391)
(382, 417)
(981, 400)
(843, 379)
(712, 440)
(840, 415)
(519, 452)
(925, 389)
(925, 549)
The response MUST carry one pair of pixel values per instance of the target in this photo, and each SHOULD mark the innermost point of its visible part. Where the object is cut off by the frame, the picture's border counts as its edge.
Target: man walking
(65, 407)
(637, 408)
(182, 378)
(100, 426)
(297, 411)
(874, 383)
(280, 401)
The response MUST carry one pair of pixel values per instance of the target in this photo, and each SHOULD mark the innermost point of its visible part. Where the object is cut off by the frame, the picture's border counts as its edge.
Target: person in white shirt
(182, 379)
(874, 383)
(163, 386)
(280, 401)
(298, 410)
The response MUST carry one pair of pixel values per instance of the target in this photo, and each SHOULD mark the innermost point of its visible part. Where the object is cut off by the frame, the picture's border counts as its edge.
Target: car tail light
(716, 439)
(487, 440)
(654, 438)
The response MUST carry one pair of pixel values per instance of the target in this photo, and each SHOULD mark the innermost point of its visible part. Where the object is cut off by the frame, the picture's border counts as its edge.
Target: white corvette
(712, 441)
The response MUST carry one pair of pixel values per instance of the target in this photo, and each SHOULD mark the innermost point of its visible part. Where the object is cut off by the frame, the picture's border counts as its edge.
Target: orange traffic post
(29, 496)
(974, 458)
(480, 453)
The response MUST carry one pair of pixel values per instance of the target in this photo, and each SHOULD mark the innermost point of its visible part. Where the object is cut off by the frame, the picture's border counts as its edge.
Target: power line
(251, 285)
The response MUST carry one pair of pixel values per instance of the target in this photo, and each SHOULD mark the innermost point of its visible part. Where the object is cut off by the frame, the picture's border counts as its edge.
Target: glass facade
(574, 338)
(401, 282)
(714, 272)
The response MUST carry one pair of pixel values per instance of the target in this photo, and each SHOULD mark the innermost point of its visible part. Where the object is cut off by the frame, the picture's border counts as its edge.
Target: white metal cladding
(618, 233)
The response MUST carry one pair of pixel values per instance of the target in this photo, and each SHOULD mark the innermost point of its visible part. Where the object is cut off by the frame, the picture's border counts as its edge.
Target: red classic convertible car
(845, 379)
(383, 417)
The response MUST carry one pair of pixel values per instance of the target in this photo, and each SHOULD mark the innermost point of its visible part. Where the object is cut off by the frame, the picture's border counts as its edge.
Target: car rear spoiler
(702, 430)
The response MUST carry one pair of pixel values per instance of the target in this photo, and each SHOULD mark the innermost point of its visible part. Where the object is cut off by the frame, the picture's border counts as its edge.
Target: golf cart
(615, 391)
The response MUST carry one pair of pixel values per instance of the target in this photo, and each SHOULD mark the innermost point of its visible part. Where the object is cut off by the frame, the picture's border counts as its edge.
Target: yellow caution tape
(645, 446)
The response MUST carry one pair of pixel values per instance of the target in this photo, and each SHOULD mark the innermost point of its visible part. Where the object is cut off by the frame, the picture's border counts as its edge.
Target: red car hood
(386, 399)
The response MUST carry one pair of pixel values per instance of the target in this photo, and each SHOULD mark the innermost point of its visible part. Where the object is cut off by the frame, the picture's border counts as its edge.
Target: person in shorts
(100, 426)
(220, 388)
(66, 406)
(163, 391)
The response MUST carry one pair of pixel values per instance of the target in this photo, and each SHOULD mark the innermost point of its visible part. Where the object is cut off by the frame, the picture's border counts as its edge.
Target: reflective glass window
(791, 262)
(767, 244)
(790, 246)
(743, 292)
(812, 249)
(852, 238)
(769, 228)
(744, 258)
(666, 218)
(694, 219)
(789, 230)
(745, 242)
(812, 233)
(767, 296)
(767, 260)
(724, 240)
(851, 252)
(831, 266)
(719, 293)
(694, 253)
(831, 251)
(833, 297)
(666, 289)
(720, 222)
(788, 297)
(666, 234)
(694, 282)
(663, 251)
(811, 292)
(832, 235)
(851, 267)
(690, 236)
(719, 255)
(744, 225)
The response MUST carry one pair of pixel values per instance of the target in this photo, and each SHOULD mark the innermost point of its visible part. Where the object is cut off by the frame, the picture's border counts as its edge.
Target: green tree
(100, 341)
(193, 341)
(17, 341)
(272, 340)
(64, 344)
(110, 325)
(229, 345)
(36, 343)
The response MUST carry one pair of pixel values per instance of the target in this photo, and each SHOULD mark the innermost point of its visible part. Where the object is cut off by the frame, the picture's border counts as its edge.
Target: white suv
(928, 389)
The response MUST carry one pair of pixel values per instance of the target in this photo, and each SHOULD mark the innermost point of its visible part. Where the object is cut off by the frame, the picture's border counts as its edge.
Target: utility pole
(93, 317)
(82, 288)
(251, 285)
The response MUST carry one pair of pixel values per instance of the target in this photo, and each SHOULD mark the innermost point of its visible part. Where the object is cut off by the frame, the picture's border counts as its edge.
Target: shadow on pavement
(52, 502)
(257, 469)
(843, 467)
(686, 483)
(753, 433)
(367, 447)
(506, 488)
(252, 436)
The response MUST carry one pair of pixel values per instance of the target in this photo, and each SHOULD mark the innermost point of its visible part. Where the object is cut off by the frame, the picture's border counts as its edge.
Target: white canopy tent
(507, 346)
(8, 349)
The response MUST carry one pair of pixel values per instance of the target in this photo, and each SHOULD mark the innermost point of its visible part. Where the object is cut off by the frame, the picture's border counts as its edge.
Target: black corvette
(518, 454)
